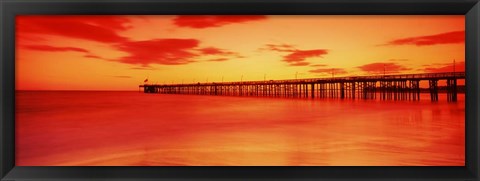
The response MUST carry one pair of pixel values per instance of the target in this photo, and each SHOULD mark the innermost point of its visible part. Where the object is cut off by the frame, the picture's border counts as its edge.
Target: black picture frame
(10, 8)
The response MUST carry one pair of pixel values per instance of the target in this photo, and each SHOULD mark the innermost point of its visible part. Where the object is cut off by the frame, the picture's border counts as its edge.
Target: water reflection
(130, 128)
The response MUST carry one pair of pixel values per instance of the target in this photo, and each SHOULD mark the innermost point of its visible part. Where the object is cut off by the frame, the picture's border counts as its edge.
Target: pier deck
(384, 87)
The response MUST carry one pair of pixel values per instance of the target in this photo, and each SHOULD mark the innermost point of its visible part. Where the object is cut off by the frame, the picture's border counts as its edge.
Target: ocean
(122, 128)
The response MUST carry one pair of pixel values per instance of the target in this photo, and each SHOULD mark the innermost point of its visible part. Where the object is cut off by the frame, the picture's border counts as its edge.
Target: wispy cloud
(218, 60)
(94, 28)
(48, 48)
(108, 29)
(159, 51)
(319, 65)
(442, 38)
(434, 68)
(294, 56)
(210, 21)
(300, 55)
(380, 67)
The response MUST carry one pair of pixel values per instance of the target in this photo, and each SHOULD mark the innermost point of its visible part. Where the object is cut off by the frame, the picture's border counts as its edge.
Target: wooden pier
(384, 87)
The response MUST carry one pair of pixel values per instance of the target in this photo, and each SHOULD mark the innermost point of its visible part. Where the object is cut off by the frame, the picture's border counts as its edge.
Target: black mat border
(9, 9)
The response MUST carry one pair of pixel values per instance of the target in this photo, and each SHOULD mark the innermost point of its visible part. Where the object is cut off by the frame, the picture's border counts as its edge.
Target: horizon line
(73, 90)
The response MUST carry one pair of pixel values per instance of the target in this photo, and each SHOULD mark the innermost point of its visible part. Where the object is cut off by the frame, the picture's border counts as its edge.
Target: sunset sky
(120, 52)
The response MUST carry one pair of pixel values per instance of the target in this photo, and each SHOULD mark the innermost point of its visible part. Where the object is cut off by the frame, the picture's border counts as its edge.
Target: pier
(384, 87)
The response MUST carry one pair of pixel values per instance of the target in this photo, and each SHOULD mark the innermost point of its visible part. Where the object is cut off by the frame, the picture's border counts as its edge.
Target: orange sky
(119, 52)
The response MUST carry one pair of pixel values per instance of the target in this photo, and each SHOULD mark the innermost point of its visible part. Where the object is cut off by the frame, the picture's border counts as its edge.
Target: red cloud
(443, 38)
(300, 64)
(221, 54)
(219, 60)
(296, 57)
(207, 21)
(329, 71)
(318, 65)
(159, 51)
(381, 67)
(105, 29)
(94, 28)
(301, 55)
(48, 48)
(94, 56)
(459, 67)
(216, 51)
(54, 49)
(280, 48)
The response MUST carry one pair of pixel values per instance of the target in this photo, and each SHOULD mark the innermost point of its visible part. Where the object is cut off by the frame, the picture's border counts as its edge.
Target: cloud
(301, 55)
(170, 52)
(459, 67)
(300, 64)
(216, 51)
(380, 67)
(159, 51)
(106, 29)
(442, 38)
(220, 54)
(48, 48)
(209, 21)
(94, 56)
(336, 71)
(295, 57)
(279, 48)
(218, 60)
(94, 28)
(319, 65)
(28, 38)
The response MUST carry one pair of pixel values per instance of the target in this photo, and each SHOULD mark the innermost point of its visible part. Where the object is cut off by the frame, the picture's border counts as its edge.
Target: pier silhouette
(384, 87)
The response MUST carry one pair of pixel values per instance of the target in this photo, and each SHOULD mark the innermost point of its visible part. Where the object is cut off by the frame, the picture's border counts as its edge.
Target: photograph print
(240, 90)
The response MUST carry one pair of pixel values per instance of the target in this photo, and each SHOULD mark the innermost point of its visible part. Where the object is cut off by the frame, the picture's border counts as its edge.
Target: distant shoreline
(460, 91)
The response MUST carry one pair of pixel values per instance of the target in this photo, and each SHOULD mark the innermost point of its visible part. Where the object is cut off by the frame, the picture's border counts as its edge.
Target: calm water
(131, 128)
